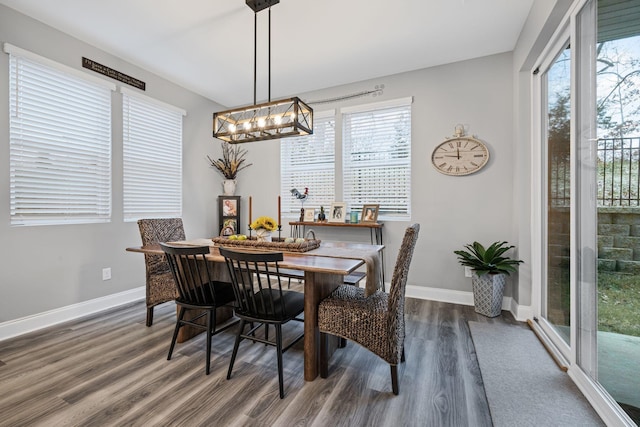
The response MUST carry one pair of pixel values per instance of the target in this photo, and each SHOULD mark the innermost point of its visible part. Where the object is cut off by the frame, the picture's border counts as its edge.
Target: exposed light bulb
(261, 122)
(247, 125)
(277, 120)
(232, 128)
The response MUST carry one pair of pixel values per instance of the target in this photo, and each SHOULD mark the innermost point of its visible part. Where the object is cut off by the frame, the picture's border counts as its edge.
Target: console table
(299, 229)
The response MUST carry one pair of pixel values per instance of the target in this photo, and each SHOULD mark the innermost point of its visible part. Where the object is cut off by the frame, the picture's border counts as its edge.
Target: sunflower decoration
(264, 222)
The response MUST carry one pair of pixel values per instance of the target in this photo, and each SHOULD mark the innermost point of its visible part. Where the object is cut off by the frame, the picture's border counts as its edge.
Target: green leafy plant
(489, 260)
(232, 161)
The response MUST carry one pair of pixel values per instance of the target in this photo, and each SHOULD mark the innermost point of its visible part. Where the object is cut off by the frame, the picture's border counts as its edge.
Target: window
(59, 143)
(376, 157)
(375, 148)
(309, 161)
(152, 158)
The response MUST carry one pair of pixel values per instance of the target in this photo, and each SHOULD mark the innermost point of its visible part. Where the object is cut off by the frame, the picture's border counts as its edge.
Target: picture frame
(309, 214)
(229, 215)
(229, 227)
(338, 212)
(370, 213)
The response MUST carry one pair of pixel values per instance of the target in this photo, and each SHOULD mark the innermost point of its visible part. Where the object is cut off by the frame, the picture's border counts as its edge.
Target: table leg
(316, 287)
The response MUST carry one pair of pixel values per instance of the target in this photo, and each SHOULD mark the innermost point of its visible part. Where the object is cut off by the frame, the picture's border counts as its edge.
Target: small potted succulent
(321, 216)
(490, 268)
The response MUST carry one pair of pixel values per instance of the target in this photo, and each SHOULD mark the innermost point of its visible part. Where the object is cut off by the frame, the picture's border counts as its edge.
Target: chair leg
(235, 347)
(149, 316)
(394, 379)
(175, 331)
(279, 348)
(402, 359)
(209, 332)
(266, 332)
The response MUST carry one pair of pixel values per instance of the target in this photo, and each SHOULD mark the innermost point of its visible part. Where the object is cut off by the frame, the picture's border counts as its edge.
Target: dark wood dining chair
(261, 301)
(159, 280)
(375, 322)
(197, 290)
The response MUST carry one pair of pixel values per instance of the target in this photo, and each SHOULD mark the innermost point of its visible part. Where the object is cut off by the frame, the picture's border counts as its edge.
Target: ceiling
(207, 45)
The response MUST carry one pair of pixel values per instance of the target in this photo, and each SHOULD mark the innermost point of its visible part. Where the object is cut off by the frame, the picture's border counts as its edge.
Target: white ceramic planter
(488, 290)
(229, 187)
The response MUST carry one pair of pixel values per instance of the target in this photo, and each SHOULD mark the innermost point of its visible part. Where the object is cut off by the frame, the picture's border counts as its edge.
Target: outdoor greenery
(619, 303)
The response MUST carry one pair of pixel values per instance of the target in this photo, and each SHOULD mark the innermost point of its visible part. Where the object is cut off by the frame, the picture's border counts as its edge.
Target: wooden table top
(297, 261)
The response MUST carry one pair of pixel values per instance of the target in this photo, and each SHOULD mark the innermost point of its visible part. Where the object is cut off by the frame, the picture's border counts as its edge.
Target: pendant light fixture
(269, 120)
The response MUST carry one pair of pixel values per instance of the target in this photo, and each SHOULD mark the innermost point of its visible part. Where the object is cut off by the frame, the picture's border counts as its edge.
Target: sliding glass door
(589, 109)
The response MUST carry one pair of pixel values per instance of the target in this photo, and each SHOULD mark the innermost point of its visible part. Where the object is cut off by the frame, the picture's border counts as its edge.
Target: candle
(279, 214)
(249, 209)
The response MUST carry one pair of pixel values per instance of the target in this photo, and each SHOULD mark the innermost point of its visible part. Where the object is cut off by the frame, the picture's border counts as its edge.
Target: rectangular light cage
(270, 120)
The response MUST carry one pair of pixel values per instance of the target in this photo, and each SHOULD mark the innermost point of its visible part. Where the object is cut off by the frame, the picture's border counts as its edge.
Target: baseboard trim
(521, 313)
(37, 321)
(34, 322)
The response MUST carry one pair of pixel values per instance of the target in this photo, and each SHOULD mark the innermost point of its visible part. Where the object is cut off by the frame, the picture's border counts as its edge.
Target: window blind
(377, 158)
(59, 143)
(152, 158)
(309, 161)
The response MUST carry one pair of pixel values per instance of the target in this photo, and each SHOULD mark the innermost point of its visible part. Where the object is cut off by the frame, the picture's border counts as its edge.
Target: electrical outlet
(106, 274)
(467, 272)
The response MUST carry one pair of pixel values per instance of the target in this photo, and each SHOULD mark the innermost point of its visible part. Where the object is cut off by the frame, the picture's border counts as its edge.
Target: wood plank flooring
(111, 370)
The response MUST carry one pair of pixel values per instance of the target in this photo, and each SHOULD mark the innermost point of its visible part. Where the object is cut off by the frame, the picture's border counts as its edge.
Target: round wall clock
(460, 155)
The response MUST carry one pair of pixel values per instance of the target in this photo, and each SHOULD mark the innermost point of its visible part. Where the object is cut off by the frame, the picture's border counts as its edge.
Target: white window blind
(152, 158)
(59, 143)
(377, 158)
(309, 161)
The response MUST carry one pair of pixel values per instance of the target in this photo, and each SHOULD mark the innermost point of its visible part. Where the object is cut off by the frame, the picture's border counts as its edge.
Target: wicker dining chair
(261, 301)
(375, 322)
(197, 290)
(160, 287)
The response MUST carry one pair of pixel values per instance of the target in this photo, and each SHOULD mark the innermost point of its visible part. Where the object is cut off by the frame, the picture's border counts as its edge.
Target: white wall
(452, 211)
(47, 267)
(44, 268)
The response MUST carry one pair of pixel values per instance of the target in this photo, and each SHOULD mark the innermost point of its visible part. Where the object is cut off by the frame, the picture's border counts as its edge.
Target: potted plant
(232, 161)
(490, 267)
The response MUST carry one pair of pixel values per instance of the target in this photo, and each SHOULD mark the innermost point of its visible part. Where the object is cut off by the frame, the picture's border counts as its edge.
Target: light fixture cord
(269, 93)
(255, 54)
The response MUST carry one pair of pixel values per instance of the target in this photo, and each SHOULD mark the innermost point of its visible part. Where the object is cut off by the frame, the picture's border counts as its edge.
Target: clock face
(460, 156)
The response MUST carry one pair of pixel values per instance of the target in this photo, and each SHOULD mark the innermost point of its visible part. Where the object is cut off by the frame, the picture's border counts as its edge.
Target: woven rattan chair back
(159, 282)
(261, 301)
(395, 307)
(376, 322)
(197, 290)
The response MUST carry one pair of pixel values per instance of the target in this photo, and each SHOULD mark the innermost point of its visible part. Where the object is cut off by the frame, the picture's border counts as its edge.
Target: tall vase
(229, 187)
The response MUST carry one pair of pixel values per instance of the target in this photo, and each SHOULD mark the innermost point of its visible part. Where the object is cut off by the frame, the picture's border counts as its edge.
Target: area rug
(524, 386)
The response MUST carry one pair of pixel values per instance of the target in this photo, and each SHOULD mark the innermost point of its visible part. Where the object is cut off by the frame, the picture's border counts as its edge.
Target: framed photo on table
(370, 213)
(229, 215)
(338, 212)
(309, 214)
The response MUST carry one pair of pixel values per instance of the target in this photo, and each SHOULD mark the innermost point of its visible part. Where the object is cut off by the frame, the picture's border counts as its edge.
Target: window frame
(151, 147)
(60, 158)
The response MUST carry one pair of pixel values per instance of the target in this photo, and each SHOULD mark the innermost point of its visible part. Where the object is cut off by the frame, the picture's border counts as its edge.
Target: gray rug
(523, 384)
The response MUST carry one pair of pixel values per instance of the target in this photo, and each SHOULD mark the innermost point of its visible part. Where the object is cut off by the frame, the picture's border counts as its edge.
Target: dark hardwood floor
(111, 370)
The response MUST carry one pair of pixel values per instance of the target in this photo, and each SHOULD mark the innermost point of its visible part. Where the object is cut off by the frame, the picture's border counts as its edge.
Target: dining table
(324, 270)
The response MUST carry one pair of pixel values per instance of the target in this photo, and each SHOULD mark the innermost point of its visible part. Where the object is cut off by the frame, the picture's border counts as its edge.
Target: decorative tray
(275, 245)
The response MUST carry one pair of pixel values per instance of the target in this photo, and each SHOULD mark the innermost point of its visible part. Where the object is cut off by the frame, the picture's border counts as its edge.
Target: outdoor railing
(619, 171)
